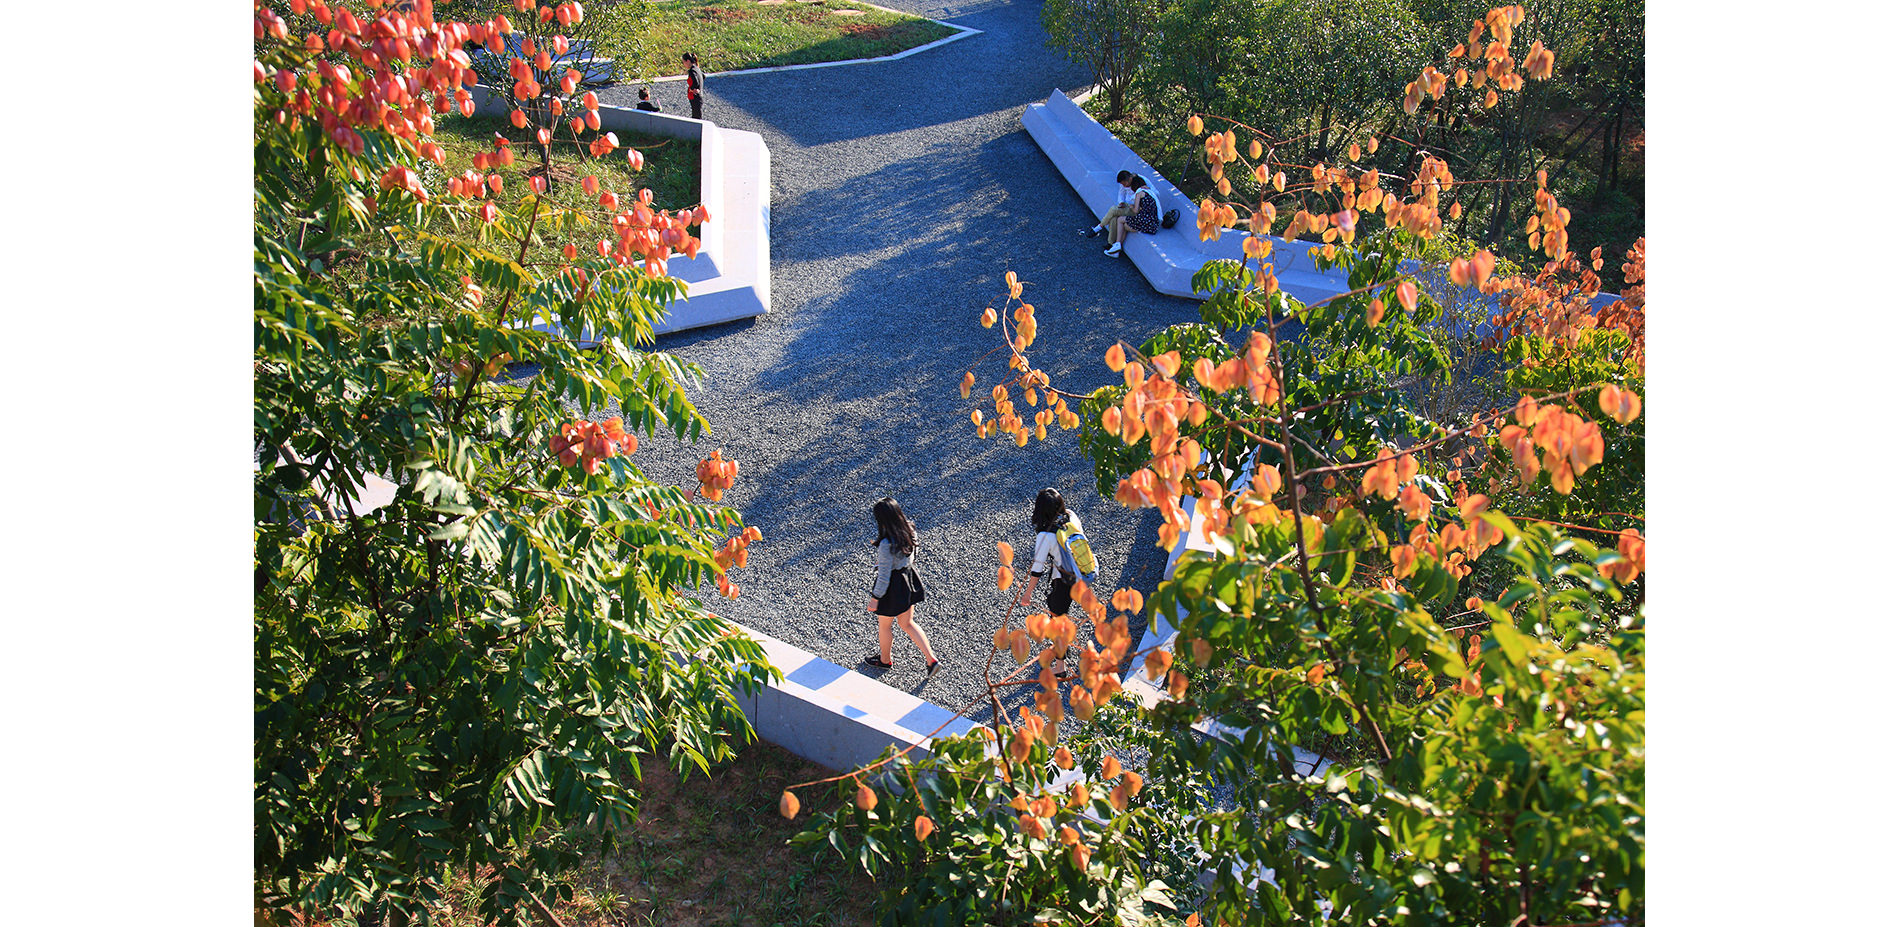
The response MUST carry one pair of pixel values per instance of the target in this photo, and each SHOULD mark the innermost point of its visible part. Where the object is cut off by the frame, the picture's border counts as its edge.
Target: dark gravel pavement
(901, 193)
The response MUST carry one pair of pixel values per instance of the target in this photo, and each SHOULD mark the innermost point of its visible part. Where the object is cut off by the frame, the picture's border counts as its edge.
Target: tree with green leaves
(1596, 51)
(1111, 37)
(1408, 684)
(470, 677)
(1312, 70)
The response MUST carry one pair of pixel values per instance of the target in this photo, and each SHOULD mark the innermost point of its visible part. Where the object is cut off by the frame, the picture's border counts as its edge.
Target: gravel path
(901, 193)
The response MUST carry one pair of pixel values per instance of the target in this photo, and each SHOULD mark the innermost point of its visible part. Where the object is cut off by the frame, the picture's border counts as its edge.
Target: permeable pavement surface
(902, 191)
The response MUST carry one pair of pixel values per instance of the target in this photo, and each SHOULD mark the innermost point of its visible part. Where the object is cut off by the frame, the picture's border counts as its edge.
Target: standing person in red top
(695, 81)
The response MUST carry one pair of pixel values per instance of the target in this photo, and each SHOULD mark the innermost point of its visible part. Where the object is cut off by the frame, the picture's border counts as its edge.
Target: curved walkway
(901, 193)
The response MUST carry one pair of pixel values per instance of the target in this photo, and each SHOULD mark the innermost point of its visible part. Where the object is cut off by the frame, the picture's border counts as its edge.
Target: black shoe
(874, 660)
(931, 667)
(1089, 233)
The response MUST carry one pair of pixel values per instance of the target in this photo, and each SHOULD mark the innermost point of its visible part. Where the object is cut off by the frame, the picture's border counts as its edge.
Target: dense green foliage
(977, 865)
(1435, 596)
(1111, 37)
(469, 676)
(1315, 72)
(1314, 76)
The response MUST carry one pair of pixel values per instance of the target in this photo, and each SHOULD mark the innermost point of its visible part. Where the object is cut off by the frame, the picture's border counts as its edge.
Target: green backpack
(1076, 544)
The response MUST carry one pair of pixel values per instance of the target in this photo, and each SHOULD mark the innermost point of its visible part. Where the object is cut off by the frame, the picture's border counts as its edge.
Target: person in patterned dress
(1146, 218)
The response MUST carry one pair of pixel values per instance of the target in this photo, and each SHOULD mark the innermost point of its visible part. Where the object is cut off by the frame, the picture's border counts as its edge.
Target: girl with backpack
(897, 589)
(1062, 554)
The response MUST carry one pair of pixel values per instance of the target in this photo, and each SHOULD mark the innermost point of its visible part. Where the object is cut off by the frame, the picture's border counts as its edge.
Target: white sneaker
(1113, 250)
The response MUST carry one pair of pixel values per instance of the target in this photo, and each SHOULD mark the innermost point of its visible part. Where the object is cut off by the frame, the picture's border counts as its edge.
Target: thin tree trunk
(1325, 126)
(1494, 231)
(1606, 158)
(1616, 151)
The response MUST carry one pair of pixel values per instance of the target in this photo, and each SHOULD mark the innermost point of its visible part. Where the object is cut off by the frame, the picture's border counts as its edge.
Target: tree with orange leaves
(456, 679)
(1387, 590)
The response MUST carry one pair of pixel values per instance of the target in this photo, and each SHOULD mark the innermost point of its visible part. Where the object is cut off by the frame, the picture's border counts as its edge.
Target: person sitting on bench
(1146, 218)
(1124, 206)
(645, 103)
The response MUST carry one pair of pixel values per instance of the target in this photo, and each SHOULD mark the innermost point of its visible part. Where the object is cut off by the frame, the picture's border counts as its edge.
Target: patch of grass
(711, 851)
(731, 35)
(671, 171)
(1161, 141)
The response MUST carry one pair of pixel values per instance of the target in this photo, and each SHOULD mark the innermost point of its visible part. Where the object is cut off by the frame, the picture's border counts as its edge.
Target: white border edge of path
(963, 32)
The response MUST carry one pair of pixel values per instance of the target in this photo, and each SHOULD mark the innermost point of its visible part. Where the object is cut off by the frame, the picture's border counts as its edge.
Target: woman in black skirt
(1146, 220)
(897, 589)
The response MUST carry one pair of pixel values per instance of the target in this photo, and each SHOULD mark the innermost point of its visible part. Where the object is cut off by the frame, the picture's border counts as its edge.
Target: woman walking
(897, 589)
(1062, 554)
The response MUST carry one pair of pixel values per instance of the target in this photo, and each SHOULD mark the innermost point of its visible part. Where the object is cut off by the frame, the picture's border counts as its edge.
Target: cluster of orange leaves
(1628, 314)
(1358, 190)
(590, 442)
(528, 79)
(1035, 815)
(406, 36)
(716, 475)
(1630, 544)
(732, 556)
(383, 99)
(1388, 473)
(1048, 636)
(1033, 383)
(1555, 305)
(1549, 227)
(1455, 545)
(1156, 405)
(1492, 62)
(639, 231)
(1571, 443)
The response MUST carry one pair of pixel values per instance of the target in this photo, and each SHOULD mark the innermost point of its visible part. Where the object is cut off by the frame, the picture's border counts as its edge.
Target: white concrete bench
(731, 278)
(1088, 157)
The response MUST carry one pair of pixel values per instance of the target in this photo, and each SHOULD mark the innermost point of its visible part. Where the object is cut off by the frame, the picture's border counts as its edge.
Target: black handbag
(915, 584)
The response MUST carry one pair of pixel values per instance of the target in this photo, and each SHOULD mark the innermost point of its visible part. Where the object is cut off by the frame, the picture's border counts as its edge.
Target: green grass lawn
(730, 35)
(671, 172)
(711, 851)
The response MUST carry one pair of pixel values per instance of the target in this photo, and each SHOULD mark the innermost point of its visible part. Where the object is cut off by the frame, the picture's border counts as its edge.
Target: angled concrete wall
(838, 718)
(731, 278)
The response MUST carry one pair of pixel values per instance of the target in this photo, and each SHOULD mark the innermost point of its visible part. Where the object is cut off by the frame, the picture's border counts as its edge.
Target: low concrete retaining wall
(731, 278)
(838, 718)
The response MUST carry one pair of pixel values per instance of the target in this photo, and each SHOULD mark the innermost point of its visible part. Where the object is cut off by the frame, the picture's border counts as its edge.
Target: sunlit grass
(730, 35)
